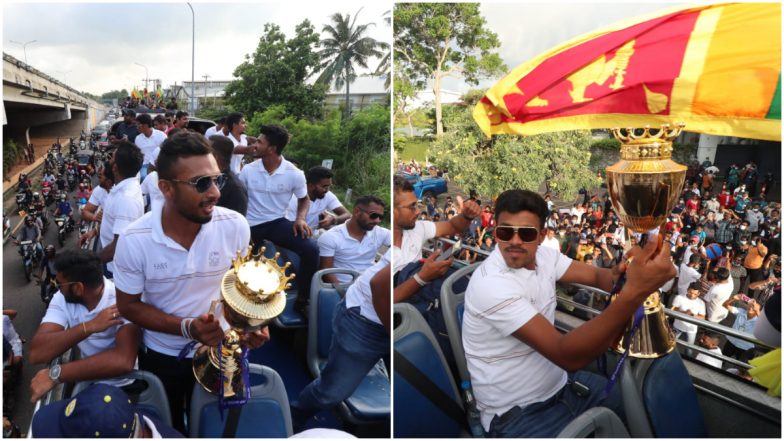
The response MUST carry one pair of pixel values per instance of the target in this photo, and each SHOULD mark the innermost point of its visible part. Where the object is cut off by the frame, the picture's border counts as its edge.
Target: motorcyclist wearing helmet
(48, 270)
(24, 182)
(83, 192)
(64, 209)
(38, 204)
(48, 178)
(30, 231)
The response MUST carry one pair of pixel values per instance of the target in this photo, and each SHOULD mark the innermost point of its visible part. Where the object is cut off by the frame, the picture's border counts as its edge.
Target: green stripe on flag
(774, 112)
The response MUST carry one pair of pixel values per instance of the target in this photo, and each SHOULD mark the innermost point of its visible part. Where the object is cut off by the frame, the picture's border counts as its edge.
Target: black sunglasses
(372, 214)
(526, 234)
(203, 183)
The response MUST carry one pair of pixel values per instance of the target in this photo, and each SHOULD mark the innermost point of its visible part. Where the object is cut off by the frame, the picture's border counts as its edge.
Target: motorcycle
(22, 200)
(71, 180)
(63, 227)
(30, 257)
(6, 226)
(48, 289)
(40, 212)
(82, 145)
(46, 192)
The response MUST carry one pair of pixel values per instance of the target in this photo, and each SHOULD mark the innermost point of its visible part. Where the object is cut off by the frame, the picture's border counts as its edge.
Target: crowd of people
(172, 209)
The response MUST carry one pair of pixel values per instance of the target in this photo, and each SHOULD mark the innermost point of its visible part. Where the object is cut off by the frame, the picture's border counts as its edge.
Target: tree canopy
(276, 74)
(438, 40)
(559, 159)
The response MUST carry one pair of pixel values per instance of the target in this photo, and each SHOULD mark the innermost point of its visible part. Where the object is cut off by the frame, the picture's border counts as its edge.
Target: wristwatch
(54, 374)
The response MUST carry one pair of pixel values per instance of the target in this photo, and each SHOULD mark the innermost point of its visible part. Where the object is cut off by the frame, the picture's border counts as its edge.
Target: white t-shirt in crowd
(148, 145)
(98, 196)
(211, 131)
(70, 315)
(236, 160)
(150, 187)
(686, 276)
(715, 362)
(351, 253)
(551, 243)
(177, 281)
(683, 303)
(269, 194)
(328, 202)
(124, 205)
(715, 298)
(505, 372)
(359, 293)
(411, 244)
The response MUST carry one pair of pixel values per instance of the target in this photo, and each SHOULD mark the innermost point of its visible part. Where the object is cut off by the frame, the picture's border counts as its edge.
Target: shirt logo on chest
(214, 258)
(161, 266)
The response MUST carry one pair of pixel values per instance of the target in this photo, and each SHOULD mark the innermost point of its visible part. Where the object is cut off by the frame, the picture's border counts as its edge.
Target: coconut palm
(383, 66)
(345, 47)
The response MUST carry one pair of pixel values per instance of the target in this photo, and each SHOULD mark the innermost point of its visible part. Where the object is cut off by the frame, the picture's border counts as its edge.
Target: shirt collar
(160, 236)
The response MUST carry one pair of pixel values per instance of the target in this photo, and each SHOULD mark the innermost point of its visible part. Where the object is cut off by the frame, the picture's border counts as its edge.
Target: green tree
(439, 40)
(276, 74)
(558, 159)
(345, 47)
(118, 94)
(383, 66)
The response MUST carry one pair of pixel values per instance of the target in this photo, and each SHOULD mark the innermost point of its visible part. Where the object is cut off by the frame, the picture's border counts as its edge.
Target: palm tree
(383, 66)
(345, 47)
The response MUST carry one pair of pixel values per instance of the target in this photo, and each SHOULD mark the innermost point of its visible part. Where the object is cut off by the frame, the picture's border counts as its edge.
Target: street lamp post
(193, 57)
(146, 74)
(24, 47)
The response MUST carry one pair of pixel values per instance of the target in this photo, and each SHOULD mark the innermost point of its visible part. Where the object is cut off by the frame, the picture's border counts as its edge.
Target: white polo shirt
(351, 253)
(328, 202)
(70, 315)
(269, 194)
(715, 298)
(506, 372)
(150, 187)
(212, 131)
(177, 281)
(98, 196)
(236, 160)
(359, 293)
(686, 276)
(124, 205)
(411, 244)
(683, 303)
(148, 144)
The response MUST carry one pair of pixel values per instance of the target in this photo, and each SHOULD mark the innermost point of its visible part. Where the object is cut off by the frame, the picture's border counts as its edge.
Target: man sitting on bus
(325, 209)
(84, 314)
(525, 374)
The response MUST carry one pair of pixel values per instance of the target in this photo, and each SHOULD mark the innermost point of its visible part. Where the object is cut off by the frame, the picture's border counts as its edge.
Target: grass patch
(414, 148)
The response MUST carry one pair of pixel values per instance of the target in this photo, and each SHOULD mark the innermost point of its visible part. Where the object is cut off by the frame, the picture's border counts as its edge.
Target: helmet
(62, 197)
(35, 194)
(28, 219)
(49, 249)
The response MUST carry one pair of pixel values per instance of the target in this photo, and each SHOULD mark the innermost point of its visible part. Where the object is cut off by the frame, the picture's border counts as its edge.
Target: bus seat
(265, 415)
(452, 308)
(289, 318)
(416, 416)
(370, 401)
(664, 389)
(152, 399)
(596, 422)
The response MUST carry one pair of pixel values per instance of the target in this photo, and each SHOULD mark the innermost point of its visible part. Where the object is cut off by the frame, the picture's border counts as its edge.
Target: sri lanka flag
(716, 68)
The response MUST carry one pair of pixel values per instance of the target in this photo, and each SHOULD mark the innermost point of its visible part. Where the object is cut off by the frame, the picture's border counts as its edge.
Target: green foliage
(118, 94)
(11, 153)
(560, 159)
(608, 144)
(437, 40)
(411, 147)
(276, 74)
(211, 112)
(683, 153)
(359, 146)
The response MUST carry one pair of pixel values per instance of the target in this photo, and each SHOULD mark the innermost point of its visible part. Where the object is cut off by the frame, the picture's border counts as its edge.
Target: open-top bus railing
(56, 394)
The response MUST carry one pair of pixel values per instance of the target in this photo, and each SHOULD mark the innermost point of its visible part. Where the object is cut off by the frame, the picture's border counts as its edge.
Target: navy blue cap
(100, 411)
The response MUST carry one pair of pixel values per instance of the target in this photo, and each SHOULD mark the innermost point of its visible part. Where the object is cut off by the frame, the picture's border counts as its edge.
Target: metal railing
(56, 394)
(705, 324)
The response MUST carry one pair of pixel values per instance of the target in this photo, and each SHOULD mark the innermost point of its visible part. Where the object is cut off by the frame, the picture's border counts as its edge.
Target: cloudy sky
(528, 29)
(94, 46)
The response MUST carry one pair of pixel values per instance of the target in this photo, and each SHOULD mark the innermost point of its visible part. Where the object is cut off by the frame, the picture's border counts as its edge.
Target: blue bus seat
(265, 415)
(152, 400)
(370, 401)
(415, 415)
(662, 391)
(289, 318)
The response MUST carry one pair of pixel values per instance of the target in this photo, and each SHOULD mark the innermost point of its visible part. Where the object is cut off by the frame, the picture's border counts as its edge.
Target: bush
(11, 152)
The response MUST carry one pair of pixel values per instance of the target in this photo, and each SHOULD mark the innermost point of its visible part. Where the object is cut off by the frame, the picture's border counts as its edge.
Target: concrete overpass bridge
(38, 108)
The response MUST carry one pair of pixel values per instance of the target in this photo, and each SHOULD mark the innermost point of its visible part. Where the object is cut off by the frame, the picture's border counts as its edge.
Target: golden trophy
(644, 187)
(253, 294)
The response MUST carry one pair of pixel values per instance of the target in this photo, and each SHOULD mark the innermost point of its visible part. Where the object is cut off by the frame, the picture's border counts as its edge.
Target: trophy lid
(646, 145)
(255, 287)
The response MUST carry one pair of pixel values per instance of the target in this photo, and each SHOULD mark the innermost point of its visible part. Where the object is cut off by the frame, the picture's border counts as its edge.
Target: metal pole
(24, 47)
(193, 57)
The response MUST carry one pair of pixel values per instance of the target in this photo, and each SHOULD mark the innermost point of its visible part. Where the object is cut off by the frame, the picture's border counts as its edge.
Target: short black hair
(80, 266)
(180, 114)
(694, 258)
(694, 285)
(369, 199)
(181, 145)
(222, 147)
(276, 135)
(233, 119)
(128, 159)
(221, 120)
(107, 171)
(515, 201)
(159, 119)
(317, 173)
(145, 119)
(402, 184)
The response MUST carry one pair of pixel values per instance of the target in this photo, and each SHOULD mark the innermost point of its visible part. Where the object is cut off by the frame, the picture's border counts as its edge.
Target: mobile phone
(745, 298)
(454, 251)
(580, 389)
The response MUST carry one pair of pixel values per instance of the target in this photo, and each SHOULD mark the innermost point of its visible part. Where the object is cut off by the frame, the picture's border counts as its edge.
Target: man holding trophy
(170, 265)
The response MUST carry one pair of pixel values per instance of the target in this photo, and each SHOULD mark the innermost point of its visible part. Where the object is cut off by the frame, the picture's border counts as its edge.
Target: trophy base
(208, 373)
(654, 338)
